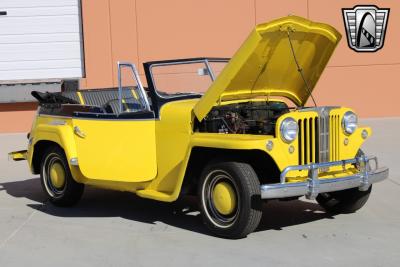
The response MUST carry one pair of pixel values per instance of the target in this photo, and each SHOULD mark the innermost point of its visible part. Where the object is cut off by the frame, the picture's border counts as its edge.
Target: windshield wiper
(299, 69)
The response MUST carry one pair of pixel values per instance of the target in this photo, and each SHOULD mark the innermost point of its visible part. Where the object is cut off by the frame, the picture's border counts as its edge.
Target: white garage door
(40, 39)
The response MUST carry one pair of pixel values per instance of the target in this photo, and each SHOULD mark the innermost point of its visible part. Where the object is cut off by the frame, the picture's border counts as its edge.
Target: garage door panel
(48, 51)
(37, 3)
(40, 39)
(39, 74)
(48, 25)
(40, 11)
(37, 65)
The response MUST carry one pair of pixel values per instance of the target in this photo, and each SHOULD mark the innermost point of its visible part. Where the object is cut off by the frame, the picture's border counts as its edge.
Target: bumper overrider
(313, 185)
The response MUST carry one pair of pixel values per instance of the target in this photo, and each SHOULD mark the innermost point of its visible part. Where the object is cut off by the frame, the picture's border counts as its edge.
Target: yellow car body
(157, 157)
(154, 161)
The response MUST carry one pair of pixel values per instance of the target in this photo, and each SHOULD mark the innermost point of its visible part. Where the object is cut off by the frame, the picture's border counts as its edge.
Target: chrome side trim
(313, 185)
(57, 122)
(74, 162)
(79, 132)
(53, 116)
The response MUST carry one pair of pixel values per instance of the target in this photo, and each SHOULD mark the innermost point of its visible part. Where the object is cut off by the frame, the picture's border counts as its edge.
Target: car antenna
(299, 69)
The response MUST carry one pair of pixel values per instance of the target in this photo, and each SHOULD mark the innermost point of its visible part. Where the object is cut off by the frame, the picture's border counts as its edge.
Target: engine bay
(252, 117)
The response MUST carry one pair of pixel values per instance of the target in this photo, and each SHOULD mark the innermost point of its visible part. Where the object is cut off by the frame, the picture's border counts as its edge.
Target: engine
(256, 117)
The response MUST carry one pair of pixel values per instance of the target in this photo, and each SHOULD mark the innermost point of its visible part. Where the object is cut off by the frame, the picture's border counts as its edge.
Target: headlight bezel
(289, 130)
(349, 122)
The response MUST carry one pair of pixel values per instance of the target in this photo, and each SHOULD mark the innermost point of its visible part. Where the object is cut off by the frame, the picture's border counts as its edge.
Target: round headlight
(349, 122)
(289, 129)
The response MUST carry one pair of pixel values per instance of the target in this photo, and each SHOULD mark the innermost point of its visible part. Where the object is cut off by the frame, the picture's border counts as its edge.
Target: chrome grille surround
(323, 117)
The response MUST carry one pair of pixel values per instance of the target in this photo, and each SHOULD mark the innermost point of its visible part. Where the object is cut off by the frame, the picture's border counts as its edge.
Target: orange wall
(16, 117)
(143, 30)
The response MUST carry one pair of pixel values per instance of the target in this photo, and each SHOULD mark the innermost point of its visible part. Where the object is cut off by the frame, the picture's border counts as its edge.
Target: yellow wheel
(224, 198)
(57, 180)
(230, 199)
(57, 175)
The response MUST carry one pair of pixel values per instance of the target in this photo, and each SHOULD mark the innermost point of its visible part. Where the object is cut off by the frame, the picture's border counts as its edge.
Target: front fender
(246, 142)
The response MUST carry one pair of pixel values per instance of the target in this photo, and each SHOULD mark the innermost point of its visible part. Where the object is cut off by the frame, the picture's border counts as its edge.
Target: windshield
(186, 76)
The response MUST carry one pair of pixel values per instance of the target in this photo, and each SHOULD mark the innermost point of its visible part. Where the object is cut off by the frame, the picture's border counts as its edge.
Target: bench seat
(107, 98)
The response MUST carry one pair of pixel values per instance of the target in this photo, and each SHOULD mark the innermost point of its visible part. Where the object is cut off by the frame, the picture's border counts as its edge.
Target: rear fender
(62, 135)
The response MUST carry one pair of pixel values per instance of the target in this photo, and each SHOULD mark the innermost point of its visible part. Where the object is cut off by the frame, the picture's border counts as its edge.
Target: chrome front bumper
(313, 185)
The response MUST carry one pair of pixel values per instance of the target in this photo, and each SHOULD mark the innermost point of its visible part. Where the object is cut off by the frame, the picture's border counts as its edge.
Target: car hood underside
(265, 64)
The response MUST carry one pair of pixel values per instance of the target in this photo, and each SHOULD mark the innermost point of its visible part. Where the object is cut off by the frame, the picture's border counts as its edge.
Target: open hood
(265, 65)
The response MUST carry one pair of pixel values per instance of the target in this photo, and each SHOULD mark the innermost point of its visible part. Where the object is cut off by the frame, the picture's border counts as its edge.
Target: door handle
(3, 13)
(78, 132)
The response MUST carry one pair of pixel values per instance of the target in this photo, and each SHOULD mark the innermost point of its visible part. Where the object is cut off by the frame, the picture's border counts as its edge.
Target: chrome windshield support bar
(209, 69)
(143, 94)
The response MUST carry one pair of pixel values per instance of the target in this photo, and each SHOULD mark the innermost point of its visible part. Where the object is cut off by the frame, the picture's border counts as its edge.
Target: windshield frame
(174, 62)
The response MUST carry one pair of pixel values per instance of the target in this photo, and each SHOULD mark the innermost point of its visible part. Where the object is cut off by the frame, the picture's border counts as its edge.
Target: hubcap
(224, 198)
(57, 175)
(220, 199)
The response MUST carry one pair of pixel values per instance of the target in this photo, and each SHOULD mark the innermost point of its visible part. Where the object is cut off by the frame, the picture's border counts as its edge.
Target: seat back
(72, 95)
(107, 98)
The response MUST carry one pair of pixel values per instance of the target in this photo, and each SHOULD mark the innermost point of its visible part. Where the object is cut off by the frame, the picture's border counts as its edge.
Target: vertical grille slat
(333, 144)
(302, 144)
(334, 133)
(299, 141)
(337, 125)
(312, 140)
(316, 137)
(338, 138)
(322, 139)
(306, 136)
(332, 137)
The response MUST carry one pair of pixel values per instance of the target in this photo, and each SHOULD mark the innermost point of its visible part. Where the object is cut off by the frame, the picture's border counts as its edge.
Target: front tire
(345, 201)
(56, 179)
(230, 199)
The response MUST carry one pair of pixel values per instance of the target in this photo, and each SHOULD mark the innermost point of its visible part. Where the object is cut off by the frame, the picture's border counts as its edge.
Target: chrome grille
(318, 139)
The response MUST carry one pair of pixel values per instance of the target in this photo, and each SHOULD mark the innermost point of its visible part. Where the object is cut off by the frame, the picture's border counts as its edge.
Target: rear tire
(230, 199)
(56, 179)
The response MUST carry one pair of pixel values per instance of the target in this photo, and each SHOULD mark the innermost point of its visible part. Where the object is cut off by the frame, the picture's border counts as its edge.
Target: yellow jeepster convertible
(235, 132)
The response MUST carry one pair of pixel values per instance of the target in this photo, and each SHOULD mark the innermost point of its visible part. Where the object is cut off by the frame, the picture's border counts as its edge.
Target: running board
(18, 155)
